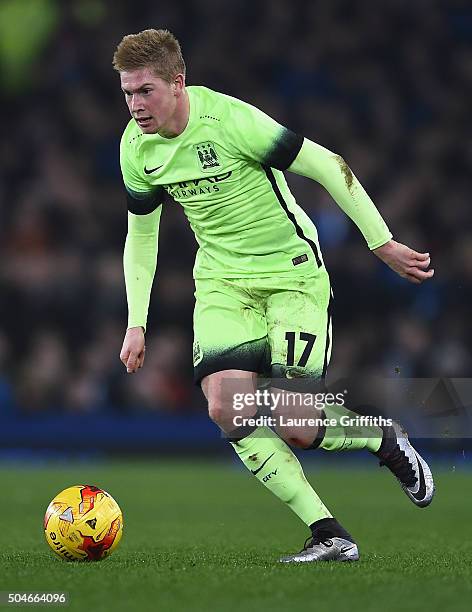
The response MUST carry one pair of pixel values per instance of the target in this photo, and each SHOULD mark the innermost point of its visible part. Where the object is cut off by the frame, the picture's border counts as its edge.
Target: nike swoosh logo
(419, 495)
(259, 469)
(146, 171)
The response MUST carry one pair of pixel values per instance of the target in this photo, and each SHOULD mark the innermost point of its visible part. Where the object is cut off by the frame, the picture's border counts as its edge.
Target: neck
(178, 121)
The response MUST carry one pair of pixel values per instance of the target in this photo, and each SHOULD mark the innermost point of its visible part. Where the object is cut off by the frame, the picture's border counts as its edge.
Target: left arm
(332, 172)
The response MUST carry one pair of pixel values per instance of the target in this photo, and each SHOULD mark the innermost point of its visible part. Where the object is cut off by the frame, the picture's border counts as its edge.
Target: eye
(147, 90)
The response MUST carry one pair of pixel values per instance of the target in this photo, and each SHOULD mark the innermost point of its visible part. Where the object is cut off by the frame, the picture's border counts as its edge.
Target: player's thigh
(299, 328)
(230, 331)
(299, 334)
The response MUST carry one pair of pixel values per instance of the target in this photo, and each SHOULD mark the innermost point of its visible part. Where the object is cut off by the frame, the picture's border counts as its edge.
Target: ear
(178, 84)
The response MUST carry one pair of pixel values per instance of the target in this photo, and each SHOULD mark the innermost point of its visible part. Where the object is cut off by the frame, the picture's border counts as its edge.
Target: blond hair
(155, 49)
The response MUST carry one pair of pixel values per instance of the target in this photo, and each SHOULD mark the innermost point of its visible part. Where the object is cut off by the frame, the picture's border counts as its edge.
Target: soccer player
(262, 290)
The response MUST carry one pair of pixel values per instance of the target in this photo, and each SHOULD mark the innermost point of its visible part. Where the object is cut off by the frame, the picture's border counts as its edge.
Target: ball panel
(98, 549)
(53, 508)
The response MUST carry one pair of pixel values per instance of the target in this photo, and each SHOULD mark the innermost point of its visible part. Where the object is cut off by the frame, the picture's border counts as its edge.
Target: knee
(298, 437)
(299, 442)
(220, 395)
(216, 411)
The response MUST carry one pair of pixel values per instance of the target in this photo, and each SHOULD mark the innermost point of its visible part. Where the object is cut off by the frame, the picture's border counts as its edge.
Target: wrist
(385, 248)
(137, 328)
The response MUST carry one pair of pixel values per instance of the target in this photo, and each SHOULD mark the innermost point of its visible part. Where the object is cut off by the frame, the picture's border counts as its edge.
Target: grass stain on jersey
(347, 172)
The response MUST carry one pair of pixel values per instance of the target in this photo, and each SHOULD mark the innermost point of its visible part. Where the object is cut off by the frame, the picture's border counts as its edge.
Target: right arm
(139, 263)
(140, 253)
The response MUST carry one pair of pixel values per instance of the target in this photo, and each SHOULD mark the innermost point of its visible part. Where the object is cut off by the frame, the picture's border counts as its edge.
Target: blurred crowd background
(385, 84)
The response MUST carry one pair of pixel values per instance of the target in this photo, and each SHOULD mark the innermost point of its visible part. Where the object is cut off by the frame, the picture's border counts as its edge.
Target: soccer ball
(83, 523)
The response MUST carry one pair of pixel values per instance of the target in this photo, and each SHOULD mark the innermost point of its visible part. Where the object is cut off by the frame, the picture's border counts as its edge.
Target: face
(151, 100)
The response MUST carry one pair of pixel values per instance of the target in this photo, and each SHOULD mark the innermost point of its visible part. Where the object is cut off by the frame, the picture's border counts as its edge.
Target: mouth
(143, 121)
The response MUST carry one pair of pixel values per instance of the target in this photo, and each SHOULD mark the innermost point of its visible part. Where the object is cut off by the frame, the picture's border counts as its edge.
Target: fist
(133, 349)
(406, 262)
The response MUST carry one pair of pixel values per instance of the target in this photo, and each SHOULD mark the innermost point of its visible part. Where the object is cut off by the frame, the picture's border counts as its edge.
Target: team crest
(197, 353)
(207, 156)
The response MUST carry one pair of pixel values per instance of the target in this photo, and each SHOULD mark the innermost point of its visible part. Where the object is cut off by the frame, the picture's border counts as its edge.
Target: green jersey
(225, 169)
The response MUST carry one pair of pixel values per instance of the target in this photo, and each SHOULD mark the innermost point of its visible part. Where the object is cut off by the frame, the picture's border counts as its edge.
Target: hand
(133, 350)
(406, 262)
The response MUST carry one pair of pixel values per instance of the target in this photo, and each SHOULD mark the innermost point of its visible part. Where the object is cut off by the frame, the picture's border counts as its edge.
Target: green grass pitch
(205, 536)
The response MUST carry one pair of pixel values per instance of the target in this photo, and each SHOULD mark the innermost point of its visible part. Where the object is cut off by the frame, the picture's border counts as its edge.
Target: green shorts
(278, 327)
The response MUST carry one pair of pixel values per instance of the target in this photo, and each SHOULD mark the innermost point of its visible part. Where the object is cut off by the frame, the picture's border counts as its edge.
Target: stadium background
(387, 85)
(384, 87)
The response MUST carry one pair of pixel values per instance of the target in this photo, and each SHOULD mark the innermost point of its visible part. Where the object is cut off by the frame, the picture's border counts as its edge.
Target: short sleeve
(134, 183)
(259, 137)
(142, 198)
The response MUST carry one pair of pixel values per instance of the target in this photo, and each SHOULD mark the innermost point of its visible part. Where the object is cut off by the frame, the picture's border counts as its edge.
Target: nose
(135, 103)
